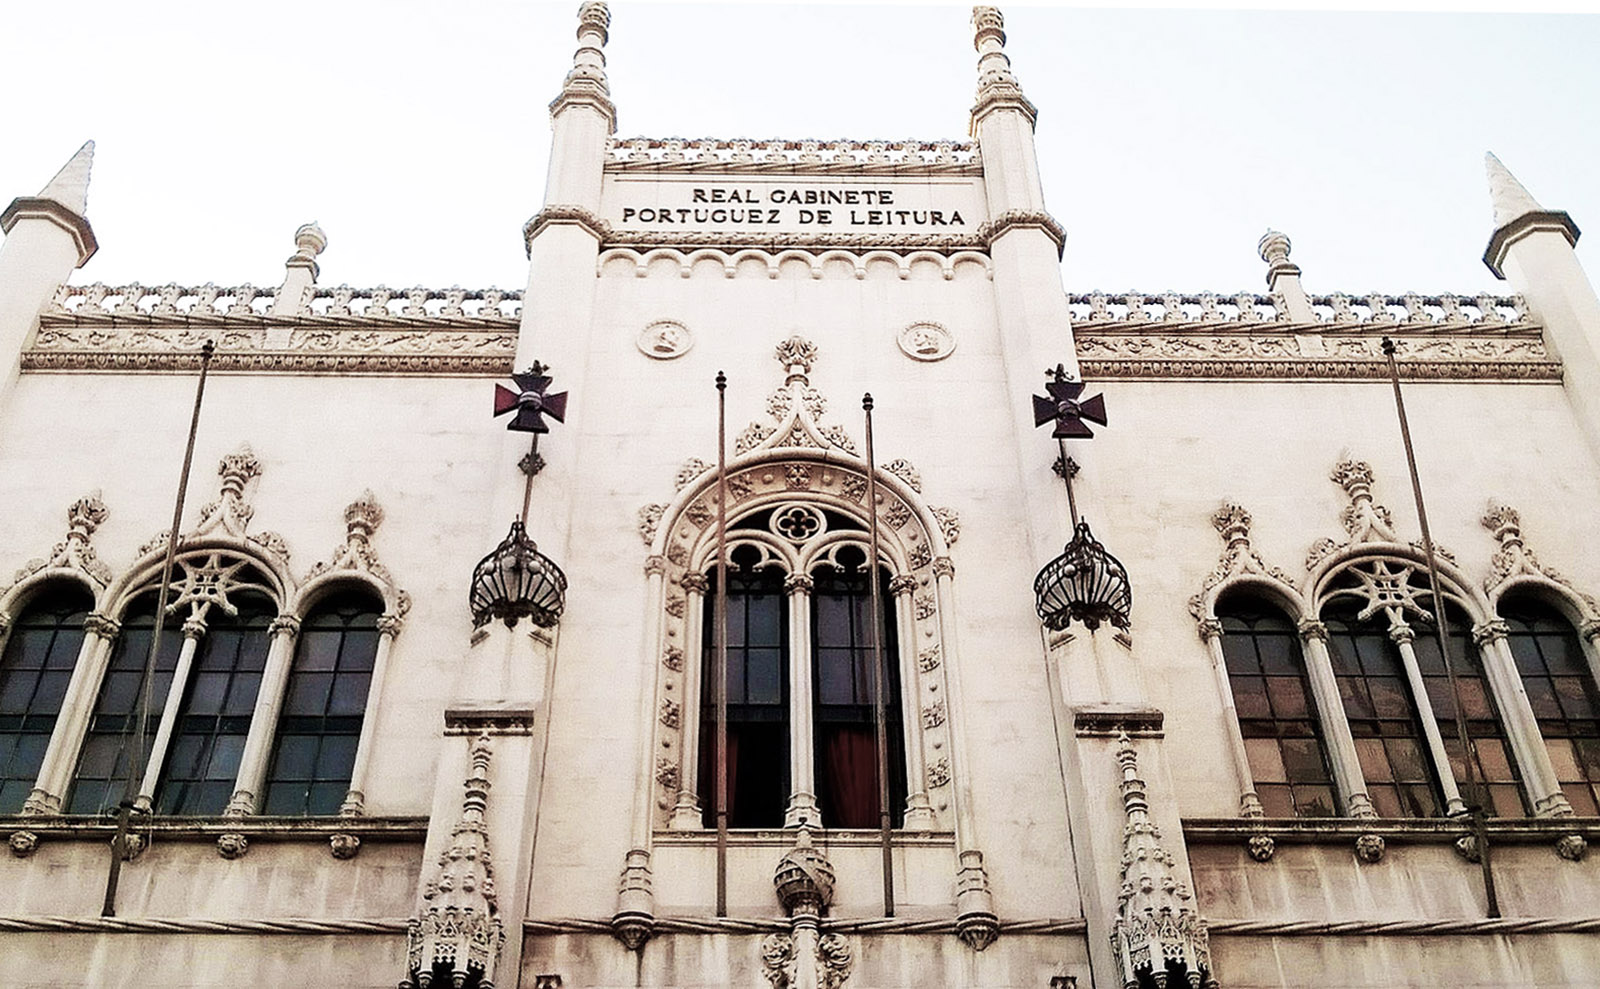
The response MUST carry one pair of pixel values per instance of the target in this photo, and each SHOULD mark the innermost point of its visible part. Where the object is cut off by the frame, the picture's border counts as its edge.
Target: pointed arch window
(844, 713)
(758, 740)
(41, 649)
(324, 703)
(1561, 691)
(1283, 740)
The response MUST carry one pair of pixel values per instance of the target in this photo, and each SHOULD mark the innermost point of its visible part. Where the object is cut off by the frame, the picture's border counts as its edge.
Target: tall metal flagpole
(1469, 754)
(879, 677)
(136, 758)
(720, 618)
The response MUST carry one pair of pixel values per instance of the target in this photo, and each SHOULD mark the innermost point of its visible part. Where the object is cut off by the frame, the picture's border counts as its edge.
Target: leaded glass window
(40, 653)
(323, 705)
(1282, 737)
(1561, 690)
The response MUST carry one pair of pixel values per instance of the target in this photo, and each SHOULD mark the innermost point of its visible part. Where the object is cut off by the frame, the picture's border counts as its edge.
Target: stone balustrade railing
(774, 154)
(1410, 312)
(207, 303)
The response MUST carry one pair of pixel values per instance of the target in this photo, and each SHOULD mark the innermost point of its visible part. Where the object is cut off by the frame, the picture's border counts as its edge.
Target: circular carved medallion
(926, 341)
(665, 339)
(797, 523)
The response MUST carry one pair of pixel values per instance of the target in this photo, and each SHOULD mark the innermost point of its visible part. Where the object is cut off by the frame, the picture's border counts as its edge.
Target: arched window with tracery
(41, 649)
(1283, 742)
(319, 724)
(758, 742)
(844, 679)
(1561, 690)
(1397, 701)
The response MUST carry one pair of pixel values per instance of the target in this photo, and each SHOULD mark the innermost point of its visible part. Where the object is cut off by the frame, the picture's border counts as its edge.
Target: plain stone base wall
(1471, 962)
(52, 960)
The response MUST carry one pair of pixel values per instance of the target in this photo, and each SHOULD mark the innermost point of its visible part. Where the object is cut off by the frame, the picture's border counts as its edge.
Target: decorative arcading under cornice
(804, 156)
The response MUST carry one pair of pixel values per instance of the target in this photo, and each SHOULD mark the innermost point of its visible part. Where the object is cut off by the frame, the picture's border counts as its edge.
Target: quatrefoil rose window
(798, 523)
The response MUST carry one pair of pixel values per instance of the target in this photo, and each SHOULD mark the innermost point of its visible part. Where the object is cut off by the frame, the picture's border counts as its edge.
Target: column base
(635, 921)
(686, 814)
(976, 923)
(919, 812)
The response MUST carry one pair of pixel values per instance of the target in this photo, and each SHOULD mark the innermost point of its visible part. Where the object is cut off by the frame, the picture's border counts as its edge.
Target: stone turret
(1532, 248)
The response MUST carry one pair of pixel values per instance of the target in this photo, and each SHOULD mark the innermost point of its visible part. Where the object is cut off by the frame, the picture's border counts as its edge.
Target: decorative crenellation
(74, 552)
(212, 306)
(791, 156)
(1156, 925)
(1336, 313)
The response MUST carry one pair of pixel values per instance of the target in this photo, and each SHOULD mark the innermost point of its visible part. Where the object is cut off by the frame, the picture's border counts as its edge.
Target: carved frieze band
(792, 157)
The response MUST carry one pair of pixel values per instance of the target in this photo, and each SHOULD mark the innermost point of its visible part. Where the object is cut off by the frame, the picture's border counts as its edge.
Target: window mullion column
(66, 739)
(1347, 773)
(1249, 802)
(919, 810)
(193, 631)
(802, 808)
(686, 813)
(264, 719)
(355, 800)
(1521, 726)
(1403, 636)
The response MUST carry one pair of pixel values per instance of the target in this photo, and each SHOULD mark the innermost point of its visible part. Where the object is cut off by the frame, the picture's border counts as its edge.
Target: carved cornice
(577, 216)
(736, 241)
(1021, 219)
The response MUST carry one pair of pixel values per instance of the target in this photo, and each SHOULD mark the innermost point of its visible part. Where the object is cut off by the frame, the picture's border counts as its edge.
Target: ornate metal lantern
(517, 581)
(1084, 583)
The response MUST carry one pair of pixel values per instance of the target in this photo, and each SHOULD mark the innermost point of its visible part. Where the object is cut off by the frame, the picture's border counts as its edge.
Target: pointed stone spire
(586, 84)
(62, 201)
(997, 86)
(1517, 214)
(1156, 929)
(1510, 198)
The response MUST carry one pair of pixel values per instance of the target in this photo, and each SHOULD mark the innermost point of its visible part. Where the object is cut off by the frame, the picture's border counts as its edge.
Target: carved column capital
(1489, 631)
(1402, 634)
(390, 625)
(1210, 628)
(797, 582)
(902, 584)
(695, 583)
(1311, 628)
(943, 566)
(1590, 630)
(194, 627)
(287, 625)
(655, 565)
(96, 624)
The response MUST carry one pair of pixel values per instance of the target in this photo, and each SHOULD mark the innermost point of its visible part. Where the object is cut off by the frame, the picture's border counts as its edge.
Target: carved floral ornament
(795, 472)
(219, 558)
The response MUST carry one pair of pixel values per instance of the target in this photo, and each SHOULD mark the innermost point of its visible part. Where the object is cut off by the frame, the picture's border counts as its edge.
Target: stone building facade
(388, 742)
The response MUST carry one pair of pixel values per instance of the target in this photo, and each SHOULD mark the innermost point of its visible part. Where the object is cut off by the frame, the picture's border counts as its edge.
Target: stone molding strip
(734, 241)
(1476, 926)
(259, 363)
(194, 925)
(765, 925)
(1341, 830)
(288, 829)
(1314, 370)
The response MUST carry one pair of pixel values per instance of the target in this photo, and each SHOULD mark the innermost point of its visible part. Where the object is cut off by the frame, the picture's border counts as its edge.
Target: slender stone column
(919, 810)
(634, 920)
(1249, 802)
(802, 809)
(193, 631)
(66, 739)
(976, 923)
(355, 801)
(246, 797)
(1347, 774)
(687, 814)
(1522, 728)
(1403, 637)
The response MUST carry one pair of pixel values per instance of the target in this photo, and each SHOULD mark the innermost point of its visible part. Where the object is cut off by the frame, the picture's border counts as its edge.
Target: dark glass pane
(324, 798)
(349, 695)
(1238, 652)
(1279, 654)
(337, 757)
(1302, 757)
(308, 693)
(1542, 696)
(208, 693)
(1314, 801)
(1250, 697)
(1288, 697)
(296, 757)
(318, 650)
(1276, 800)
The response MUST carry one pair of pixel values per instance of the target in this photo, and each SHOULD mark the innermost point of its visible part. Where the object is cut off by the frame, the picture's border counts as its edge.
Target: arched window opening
(202, 760)
(102, 775)
(323, 705)
(1382, 715)
(844, 712)
(758, 695)
(1282, 736)
(40, 652)
(1561, 691)
(1495, 768)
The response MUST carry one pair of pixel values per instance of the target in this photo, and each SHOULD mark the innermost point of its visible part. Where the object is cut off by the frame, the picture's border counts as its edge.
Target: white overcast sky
(1169, 140)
